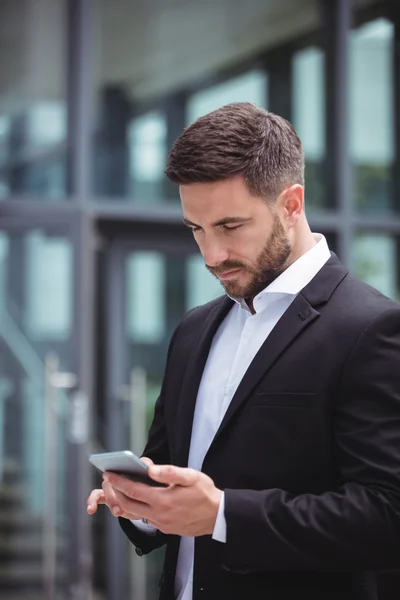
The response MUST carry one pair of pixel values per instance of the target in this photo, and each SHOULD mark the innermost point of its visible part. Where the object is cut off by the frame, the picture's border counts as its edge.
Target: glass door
(39, 387)
(149, 288)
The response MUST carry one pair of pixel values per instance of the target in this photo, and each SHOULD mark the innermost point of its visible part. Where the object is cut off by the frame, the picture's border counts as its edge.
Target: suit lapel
(191, 382)
(296, 319)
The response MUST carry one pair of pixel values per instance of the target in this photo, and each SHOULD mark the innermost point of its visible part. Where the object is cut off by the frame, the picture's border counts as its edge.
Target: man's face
(241, 238)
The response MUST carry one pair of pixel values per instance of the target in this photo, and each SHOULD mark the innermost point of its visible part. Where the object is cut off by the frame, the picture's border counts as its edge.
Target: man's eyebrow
(224, 221)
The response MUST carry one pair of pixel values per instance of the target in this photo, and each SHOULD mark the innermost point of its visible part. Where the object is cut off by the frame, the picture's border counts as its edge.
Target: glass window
(48, 276)
(5, 126)
(308, 75)
(147, 156)
(249, 87)
(372, 114)
(145, 300)
(376, 261)
(46, 125)
(3, 266)
(32, 98)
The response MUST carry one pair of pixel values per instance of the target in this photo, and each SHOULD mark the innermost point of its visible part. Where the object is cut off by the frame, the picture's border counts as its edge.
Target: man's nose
(214, 254)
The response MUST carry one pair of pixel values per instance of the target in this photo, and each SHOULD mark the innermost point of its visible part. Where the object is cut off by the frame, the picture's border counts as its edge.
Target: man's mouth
(228, 274)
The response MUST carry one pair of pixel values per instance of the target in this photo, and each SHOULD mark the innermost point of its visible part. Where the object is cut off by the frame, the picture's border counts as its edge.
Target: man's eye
(226, 228)
(194, 229)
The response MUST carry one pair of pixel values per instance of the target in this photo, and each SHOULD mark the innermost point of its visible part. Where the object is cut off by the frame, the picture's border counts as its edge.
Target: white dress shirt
(236, 343)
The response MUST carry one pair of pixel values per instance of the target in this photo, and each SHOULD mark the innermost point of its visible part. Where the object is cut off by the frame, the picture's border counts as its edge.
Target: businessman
(277, 428)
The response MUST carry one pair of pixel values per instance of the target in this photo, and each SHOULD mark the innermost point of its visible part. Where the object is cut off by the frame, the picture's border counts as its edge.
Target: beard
(270, 263)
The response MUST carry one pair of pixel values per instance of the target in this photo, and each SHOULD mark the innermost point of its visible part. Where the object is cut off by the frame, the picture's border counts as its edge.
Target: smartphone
(124, 463)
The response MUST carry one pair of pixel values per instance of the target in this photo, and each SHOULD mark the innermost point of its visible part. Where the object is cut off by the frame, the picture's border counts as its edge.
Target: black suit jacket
(308, 453)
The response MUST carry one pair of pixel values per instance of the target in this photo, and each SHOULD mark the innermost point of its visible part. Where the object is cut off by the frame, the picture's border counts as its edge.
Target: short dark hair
(239, 139)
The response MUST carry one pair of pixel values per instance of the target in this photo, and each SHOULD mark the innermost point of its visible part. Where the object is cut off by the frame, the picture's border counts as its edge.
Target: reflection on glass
(32, 99)
(145, 299)
(48, 277)
(46, 124)
(309, 118)
(375, 261)
(5, 126)
(249, 87)
(4, 249)
(147, 156)
(372, 114)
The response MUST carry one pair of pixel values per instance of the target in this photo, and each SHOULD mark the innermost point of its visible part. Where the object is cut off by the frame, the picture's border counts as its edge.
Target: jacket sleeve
(143, 542)
(157, 449)
(354, 527)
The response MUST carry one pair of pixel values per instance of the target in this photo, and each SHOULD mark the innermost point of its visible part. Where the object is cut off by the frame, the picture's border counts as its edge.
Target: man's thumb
(173, 475)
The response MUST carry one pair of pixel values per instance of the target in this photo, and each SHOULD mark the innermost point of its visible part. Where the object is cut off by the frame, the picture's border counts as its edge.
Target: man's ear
(291, 204)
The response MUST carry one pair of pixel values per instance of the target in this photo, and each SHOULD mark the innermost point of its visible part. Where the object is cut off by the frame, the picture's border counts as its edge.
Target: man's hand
(188, 506)
(107, 496)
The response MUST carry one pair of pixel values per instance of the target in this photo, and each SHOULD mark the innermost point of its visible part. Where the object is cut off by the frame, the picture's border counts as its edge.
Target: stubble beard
(271, 263)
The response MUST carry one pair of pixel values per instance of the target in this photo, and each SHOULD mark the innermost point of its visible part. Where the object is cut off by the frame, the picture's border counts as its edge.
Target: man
(278, 423)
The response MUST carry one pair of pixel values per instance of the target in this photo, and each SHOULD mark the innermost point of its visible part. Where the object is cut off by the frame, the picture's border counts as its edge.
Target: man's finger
(131, 489)
(96, 497)
(134, 508)
(146, 460)
(174, 475)
(111, 499)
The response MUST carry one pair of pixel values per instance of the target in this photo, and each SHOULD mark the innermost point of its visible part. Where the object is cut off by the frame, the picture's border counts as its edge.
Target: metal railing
(44, 409)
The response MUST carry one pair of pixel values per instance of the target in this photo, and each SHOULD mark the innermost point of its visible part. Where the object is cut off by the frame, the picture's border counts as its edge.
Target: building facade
(96, 267)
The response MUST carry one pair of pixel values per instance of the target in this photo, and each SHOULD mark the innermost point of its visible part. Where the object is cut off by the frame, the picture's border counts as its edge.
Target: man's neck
(302, 246)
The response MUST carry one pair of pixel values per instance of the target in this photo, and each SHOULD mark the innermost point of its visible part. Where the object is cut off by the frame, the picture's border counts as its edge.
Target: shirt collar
(298, 275)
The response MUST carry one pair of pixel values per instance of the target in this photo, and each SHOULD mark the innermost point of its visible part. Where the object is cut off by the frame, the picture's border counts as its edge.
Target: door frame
(168, 238)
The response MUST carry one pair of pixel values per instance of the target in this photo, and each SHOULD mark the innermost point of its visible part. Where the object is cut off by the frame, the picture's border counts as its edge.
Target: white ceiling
(148, 46)
(161, 45)
(32, 52)
(153, 46)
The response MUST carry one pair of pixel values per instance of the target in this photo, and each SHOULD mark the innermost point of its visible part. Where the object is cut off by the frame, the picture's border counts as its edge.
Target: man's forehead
(226, 187)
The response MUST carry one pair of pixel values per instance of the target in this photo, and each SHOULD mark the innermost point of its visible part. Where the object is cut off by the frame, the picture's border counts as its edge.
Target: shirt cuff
(144, 527)
(219, 533)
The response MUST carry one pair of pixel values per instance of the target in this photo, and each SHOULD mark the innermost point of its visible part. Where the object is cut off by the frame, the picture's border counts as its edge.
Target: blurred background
(96, 268)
